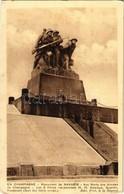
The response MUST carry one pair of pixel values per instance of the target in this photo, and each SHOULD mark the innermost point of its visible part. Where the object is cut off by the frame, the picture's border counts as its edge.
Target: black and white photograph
(63, 89)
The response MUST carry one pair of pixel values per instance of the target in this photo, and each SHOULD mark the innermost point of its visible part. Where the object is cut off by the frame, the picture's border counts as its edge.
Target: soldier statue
(49, 48)
(39, 41)
(46, 38)
(56, 48)
(66, 53)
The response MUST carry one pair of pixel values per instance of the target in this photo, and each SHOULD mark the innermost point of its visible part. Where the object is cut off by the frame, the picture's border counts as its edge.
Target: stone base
(54, 71)
(62, 171)
(53, 85)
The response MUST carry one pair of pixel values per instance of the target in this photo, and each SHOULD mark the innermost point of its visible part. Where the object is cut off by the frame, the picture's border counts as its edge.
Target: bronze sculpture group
(48, 48)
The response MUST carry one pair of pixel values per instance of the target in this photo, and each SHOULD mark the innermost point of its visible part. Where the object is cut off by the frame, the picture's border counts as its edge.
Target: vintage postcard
(61, 93)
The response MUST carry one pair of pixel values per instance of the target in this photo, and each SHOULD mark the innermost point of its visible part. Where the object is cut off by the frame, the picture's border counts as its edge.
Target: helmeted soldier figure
(70, 46)
(68, 49)
(39, 40)
(57, 37)
(46, 39)
(56, 48)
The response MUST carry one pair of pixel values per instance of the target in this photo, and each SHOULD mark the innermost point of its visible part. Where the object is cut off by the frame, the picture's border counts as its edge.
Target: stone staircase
(107, 140)
(101, 138)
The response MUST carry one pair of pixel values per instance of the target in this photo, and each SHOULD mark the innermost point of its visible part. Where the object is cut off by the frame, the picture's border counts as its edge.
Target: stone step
(103, 139)
(107, 139)
(30, 170)
(90, 140)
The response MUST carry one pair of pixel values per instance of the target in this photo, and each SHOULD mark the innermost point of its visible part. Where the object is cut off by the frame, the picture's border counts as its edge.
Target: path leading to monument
(46, 141)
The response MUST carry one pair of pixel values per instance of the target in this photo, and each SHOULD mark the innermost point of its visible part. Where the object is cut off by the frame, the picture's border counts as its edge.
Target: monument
(52, 74)
(55, 90)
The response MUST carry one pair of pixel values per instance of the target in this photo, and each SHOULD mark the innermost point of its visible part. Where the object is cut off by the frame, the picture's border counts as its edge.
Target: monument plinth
(55, 82)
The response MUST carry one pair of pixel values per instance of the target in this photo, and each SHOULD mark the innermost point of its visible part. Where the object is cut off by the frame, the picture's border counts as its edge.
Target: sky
(95, 57)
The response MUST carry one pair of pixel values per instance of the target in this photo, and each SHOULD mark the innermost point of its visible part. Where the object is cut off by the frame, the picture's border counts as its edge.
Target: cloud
(18, 39)
(95, 56)
(19, 58)
(97, 67)
(89, 25)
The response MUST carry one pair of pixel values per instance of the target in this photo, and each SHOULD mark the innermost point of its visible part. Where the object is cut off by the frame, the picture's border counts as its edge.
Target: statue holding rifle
(48, 49)
(43, 49)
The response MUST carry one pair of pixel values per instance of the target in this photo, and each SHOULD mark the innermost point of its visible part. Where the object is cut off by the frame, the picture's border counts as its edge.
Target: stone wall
(107, 140)
(53, 85)
(67, 170)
